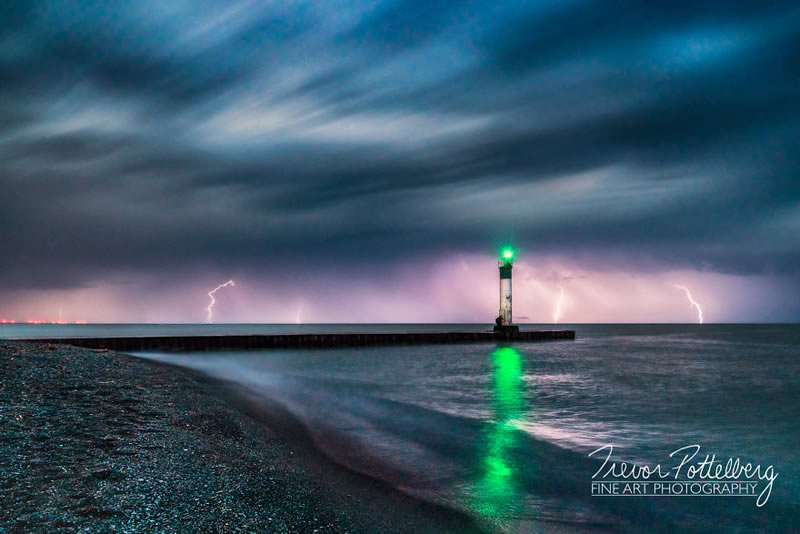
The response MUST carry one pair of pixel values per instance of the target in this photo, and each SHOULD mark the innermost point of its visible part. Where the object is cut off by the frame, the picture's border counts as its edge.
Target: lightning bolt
(557, 312)
(692, 301)
(230, 283)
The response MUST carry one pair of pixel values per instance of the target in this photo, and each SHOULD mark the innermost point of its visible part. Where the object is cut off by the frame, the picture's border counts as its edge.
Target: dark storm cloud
(591, 29)
(150, 138)
(402, 24)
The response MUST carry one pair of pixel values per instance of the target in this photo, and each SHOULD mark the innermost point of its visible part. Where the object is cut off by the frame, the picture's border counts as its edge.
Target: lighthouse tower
(506, 262)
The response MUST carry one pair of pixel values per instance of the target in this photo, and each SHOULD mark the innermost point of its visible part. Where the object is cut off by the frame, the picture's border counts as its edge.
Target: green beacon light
(508, 254)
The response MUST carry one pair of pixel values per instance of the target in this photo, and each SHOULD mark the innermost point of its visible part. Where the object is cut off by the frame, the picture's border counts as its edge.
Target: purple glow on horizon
(457, 289)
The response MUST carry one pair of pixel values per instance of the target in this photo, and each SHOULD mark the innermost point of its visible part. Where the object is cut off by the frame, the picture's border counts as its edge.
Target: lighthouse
(503, 321)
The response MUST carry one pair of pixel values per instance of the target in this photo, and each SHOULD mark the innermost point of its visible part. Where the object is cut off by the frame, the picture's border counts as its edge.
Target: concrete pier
(260, 342)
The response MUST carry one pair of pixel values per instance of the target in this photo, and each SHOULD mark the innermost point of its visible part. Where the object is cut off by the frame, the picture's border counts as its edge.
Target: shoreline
(375, 494)
(105, 440)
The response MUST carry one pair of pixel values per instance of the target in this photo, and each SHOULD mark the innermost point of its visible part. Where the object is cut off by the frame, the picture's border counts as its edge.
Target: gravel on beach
(104, 442)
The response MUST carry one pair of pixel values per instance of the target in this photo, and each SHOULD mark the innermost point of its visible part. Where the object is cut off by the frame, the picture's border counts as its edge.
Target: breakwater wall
(260, 342)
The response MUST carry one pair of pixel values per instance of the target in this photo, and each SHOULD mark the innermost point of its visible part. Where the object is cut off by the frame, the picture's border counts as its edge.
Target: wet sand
(101, 441)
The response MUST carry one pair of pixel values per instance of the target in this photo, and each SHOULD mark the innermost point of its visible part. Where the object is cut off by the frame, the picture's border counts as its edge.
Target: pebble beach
(97, 441)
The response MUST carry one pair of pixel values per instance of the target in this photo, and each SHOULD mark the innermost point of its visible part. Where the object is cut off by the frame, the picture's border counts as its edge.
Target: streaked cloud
(155, 139)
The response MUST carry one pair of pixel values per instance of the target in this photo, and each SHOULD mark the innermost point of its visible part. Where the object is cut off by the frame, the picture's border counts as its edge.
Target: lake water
(504, 432)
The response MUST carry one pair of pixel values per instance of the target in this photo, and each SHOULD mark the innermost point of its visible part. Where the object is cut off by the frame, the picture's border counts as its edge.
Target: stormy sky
(363, 161)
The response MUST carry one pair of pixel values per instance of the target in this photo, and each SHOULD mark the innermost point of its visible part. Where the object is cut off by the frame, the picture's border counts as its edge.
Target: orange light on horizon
(41, 321)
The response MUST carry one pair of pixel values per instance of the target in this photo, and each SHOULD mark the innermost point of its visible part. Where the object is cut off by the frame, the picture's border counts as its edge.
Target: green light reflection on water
(496, 490)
